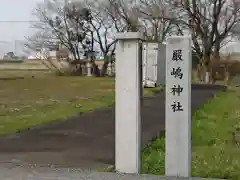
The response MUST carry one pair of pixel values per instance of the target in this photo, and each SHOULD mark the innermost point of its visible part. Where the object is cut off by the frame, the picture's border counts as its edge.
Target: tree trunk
(217, 47)
(217, 54)
(206, 68)
(104, 66)
(96, 71)
(200, 72)
(227, 75)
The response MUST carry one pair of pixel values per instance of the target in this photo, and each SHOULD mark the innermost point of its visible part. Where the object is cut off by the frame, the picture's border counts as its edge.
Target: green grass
(214, 154)
(29, 102)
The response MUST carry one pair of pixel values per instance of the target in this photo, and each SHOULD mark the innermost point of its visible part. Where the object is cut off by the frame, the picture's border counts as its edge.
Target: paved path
(87, 140)
(65, 174)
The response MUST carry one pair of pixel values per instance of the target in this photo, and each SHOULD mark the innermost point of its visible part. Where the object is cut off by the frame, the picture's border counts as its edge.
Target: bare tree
(104, 26)
(148, 16)
(126, 13)
(153, 15)
(114, 16)
(64, 24)
(43, 56)
(40, 46)
(209, 22)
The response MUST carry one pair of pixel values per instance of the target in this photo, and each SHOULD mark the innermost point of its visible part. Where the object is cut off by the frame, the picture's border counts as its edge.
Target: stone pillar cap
(130, 36)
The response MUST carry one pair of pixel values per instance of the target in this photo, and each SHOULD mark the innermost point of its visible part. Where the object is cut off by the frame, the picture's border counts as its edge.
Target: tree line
(83, 25)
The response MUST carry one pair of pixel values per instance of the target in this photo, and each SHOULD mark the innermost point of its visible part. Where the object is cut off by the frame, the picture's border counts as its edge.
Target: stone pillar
(128, 89)
(178, 106)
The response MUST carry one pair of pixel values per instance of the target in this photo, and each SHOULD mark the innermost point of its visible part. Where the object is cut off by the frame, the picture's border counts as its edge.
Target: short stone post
(178, 106)
(128, 102)
(89, 69)
(109, 69)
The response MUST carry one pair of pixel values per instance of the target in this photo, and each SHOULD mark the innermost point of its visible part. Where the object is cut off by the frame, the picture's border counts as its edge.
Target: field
(31, 65)
(30, 98)
(31, 101)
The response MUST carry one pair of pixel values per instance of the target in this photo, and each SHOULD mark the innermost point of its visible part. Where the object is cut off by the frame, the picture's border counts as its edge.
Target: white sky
(16, 10)
(13, 10)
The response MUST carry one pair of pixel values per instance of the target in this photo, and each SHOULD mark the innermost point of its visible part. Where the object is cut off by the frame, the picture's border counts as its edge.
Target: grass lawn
(45, 98)
(214, 154)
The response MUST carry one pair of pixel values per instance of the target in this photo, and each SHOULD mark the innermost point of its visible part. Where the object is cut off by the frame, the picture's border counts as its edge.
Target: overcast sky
(16, 10)
(13, 10)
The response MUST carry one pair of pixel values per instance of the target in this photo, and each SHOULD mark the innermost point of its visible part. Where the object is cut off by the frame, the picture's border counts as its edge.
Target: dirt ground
(87, 140)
